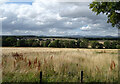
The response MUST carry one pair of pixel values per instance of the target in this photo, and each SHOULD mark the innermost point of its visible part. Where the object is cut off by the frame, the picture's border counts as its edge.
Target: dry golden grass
(97, 64)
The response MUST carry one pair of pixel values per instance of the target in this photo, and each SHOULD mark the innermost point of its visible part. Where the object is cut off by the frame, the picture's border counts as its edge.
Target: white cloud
(52, 30)
(3, 18)
(69, 23)
(51, 18)
(39, 23)
(86, 28)
(59, 17)
(3, 1)
(13, 22)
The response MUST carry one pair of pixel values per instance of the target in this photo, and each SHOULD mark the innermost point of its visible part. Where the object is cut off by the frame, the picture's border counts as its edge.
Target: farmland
(59, 64)
(60, 42)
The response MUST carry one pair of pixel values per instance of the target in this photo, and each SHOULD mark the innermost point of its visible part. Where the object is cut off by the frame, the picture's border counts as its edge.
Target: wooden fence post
(81, 76)
(40, 76)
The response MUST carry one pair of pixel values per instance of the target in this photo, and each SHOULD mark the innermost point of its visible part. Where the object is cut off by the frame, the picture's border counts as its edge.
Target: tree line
(80, 43)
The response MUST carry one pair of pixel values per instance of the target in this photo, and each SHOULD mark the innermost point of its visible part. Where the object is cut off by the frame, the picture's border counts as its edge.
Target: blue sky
(20, 2)
(43, 17)
(30, 3)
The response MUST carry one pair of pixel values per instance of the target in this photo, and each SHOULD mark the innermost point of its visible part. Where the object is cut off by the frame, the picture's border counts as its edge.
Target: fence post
(40, 76)
(81, 76)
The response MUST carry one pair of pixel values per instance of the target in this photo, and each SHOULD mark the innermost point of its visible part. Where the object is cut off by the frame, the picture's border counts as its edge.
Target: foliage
(10, 41)
(54, 44)
(100, 46)
(46, 43)
(111, 45)
(96, 44)
(66, 43)
(118, 46)
(72, 44)
(21, 43)
(107, 44)
(35, 44)
(42, 44)
(111, 9)
(62, 44)
(30, 42)
(80, 43)
(84, 43)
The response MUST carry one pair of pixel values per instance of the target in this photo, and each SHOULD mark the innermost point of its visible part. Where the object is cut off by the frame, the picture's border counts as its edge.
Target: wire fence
(91, 77)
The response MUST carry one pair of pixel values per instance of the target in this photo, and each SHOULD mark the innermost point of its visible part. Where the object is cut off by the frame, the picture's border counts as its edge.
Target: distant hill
(70, 37)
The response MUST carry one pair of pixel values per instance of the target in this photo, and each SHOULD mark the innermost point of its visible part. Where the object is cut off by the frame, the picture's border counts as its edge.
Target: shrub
(78, 43)
(100, 46)
(94, 44)
(21, 43)
(113, 44)
(110, 45)
(107, 44)
(35, 44)
(62, 44)
(84, 43)
(72, 44)
(54, 44)
(9, 41)
(118, 46)
(46, 43)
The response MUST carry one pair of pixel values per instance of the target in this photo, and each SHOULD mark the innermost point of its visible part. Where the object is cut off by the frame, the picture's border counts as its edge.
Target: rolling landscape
(59, 59)
(56, 41)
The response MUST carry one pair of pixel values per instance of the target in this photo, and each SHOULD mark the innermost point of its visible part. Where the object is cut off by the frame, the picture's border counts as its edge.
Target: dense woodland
(77, 43)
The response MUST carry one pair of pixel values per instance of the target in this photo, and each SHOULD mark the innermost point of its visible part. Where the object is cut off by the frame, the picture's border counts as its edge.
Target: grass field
(59, 64)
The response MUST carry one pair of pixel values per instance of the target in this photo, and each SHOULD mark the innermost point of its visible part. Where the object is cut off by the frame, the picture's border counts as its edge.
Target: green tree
(94, 44)
(35, 44)
(41, 43)
(21, 43)
(84, 43)
(4, 42)
(72, 44)
(66, 43)
(118, 46)
(111, 45)
(62, 44)
(78, 43)
(51, 44)
(107, 44)
(46, 43)
(0, 41)
(9, 41)
(114, 44)
(30, 42)
(111, 9)
(100, 46)
(54, 44)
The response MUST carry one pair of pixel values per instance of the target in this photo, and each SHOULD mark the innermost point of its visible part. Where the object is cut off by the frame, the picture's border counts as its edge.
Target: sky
(51, 18)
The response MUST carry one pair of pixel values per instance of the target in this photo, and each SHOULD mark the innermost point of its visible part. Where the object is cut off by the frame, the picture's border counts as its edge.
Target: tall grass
(59, 65)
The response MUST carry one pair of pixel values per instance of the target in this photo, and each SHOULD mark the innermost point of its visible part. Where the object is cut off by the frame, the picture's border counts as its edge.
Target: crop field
(59, 64)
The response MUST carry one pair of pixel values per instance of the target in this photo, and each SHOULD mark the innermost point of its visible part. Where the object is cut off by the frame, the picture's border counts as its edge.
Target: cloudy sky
(43, 17)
